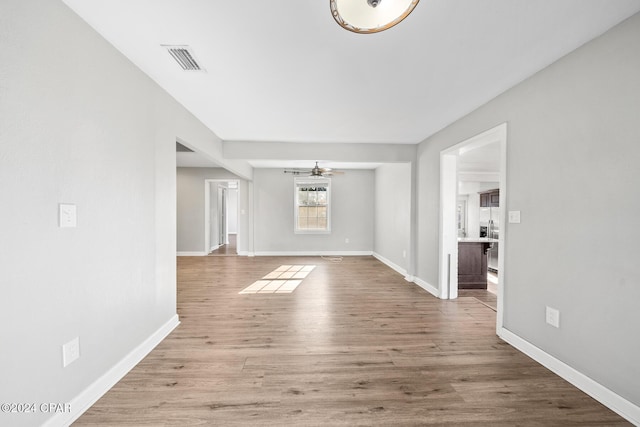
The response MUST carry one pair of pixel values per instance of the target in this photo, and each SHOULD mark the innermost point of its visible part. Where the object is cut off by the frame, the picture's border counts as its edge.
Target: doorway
(221, 216)
(452, 167)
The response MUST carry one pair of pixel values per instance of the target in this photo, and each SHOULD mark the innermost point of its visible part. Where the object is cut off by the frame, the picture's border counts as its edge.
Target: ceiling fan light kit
(370, 16)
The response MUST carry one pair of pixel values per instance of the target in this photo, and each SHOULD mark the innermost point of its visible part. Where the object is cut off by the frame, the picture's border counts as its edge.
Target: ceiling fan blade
(316, 171)
(296, 171)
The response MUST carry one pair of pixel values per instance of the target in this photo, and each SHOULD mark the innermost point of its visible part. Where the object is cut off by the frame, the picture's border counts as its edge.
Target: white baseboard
(314, 253)
(426, 286)
(99, 387)
(213, 248)
(390, 264)
(191, 253)
(613, 401)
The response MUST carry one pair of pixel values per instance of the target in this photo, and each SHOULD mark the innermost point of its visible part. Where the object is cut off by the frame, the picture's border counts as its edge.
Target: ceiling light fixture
(370, 16)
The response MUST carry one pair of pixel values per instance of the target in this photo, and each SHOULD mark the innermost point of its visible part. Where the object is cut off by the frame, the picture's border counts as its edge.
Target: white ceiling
(283, 70)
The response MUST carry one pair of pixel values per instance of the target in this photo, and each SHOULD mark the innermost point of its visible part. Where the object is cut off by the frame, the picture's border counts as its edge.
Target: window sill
(312, 231)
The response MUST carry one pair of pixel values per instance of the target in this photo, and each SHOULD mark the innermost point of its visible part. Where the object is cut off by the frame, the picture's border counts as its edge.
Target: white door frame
(448, 280)
(448, 276)
(223, 235)
(207, 211)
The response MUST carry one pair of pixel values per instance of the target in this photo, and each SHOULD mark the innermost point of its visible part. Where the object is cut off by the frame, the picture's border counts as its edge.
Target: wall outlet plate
(70, 351)
(553, 317)
(514, 217)
(67, 215)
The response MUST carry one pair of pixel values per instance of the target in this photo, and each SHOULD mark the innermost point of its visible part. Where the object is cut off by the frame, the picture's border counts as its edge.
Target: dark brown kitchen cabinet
(484, 200)
(472, 265)
(490, 199)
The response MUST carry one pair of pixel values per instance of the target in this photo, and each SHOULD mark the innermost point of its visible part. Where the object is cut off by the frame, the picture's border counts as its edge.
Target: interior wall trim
(427, 287)
(390, 264)
(313, 253)
(196, 253)
(99, 387)
(602, 394)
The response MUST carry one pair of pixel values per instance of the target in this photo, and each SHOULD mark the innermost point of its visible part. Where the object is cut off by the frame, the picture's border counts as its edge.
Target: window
(312, 205)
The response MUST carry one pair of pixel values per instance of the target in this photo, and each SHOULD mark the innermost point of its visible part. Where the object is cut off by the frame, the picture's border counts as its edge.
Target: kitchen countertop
(476, 240)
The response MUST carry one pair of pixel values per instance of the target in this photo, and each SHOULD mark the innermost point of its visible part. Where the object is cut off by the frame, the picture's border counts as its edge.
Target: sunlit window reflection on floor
(283, 280)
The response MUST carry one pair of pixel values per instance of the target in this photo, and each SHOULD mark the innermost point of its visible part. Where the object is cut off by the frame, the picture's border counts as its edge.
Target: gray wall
(351, 214)
(94, 131)
(573, 157)
(393, 212)
(190, 207)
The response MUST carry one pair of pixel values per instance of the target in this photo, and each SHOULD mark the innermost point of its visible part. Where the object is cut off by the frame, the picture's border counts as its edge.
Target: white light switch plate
(67, 215)
(514, 217)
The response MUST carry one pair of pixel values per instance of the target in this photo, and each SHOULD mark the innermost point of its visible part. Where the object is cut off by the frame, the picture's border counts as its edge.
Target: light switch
(514, 217)
(67, 216)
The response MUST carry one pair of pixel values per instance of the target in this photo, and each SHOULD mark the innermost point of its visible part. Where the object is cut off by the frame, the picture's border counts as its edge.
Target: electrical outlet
(553, 317)
(514, 217)
(346, 240)
(70, 351)
(404, 254)
(67, 216)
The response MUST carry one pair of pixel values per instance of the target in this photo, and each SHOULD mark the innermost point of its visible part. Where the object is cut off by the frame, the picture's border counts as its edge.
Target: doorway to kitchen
(221, 216)
(471, 170)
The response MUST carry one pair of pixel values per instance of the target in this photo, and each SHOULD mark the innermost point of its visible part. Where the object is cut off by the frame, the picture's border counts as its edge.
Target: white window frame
(324, 182)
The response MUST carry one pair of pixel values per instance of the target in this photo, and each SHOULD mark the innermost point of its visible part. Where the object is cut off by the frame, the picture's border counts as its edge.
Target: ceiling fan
(316, 171)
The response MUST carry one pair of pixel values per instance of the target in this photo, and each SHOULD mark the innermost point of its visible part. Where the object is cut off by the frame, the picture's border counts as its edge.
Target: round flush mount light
(370, 16)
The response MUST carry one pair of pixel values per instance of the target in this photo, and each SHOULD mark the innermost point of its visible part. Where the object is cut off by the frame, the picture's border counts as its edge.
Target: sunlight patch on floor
(283, 280)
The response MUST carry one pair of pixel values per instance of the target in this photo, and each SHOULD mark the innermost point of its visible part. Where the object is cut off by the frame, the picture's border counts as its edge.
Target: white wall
(190, 207)
(573, 157)
(351, 214)
(92, 130)
(232, 211)
(393, 213)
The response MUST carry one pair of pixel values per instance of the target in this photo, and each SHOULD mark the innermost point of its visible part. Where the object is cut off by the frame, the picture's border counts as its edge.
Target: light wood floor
(355, 344)
(487, 296)
(229, 249)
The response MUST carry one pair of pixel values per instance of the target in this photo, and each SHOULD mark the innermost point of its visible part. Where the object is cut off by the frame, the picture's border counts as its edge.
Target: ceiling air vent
(184, 57)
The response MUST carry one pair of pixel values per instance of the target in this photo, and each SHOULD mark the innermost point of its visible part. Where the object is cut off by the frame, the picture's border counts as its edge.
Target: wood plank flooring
(229, 249)
(354, 345)
(482, 295)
